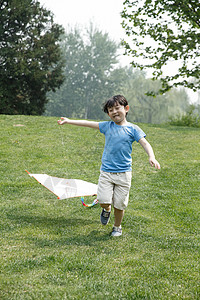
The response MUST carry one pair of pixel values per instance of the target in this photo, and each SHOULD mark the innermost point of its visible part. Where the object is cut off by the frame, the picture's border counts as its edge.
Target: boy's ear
(127, 108)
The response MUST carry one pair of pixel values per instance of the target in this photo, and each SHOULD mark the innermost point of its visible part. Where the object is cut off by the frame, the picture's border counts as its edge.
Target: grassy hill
(57, 249)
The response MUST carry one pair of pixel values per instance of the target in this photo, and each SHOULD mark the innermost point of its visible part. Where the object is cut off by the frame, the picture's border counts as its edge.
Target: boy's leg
(106, 206)
(120, 199)
(117, 229)
(104, 195)
(118, 216)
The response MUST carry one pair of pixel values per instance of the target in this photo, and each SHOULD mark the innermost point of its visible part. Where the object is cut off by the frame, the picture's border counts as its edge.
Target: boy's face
(117, 113)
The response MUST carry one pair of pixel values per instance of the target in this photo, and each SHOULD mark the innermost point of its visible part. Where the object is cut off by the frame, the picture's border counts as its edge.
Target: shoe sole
(116, 235)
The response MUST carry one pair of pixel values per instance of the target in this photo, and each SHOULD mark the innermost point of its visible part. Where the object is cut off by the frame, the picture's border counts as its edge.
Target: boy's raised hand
(63, 121)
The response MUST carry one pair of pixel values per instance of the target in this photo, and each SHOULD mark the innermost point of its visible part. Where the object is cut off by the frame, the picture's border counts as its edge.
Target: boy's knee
(105, 206)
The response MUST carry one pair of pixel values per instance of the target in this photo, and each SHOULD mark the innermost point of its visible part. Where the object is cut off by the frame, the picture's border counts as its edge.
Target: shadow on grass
(46, 221)
(91, 239)
(61, 231)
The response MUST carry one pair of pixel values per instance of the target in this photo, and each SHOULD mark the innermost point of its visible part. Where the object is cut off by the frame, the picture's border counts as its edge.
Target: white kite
(67, 188)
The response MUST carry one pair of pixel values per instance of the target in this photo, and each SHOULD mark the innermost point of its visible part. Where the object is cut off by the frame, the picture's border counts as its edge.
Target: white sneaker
(116, 231)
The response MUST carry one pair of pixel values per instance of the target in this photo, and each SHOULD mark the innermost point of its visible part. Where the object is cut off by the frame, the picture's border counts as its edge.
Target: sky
(104, 14)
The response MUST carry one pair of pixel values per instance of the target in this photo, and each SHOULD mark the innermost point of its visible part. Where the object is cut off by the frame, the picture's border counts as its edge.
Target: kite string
(62, 135)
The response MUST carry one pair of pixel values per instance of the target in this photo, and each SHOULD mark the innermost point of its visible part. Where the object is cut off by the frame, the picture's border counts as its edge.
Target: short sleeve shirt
(116, 157)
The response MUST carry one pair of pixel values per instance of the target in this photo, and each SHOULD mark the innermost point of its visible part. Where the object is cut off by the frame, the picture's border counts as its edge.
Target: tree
(164, 31)
(31, 62)
(91, 74)
(190, 119)
(149, 109)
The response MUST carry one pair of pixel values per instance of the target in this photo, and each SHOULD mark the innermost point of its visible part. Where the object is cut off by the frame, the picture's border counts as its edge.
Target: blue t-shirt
(118, 145)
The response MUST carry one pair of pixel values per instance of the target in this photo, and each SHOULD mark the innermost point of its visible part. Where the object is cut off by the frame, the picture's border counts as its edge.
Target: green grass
(57, 249)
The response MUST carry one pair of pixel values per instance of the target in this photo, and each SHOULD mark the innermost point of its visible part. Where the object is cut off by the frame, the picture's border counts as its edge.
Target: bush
(191, 118)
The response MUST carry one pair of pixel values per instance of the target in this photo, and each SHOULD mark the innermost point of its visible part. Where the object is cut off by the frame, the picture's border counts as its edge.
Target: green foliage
(91, 79)
(53, 249)
(149, 109)
(163, 31)
(31, 60)
(190, 118)
(91, 74)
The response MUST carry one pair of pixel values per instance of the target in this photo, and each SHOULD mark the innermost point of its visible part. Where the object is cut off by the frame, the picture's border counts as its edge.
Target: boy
(116, 169)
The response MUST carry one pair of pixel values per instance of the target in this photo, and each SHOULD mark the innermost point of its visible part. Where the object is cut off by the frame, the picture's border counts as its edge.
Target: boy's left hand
(154, 162)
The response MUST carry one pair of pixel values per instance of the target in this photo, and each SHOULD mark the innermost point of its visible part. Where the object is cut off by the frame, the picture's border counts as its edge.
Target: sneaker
(105, 216)
(116, 231)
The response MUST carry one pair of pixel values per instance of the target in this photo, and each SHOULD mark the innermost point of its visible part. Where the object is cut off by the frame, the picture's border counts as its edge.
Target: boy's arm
(83, 123)
(147, 147)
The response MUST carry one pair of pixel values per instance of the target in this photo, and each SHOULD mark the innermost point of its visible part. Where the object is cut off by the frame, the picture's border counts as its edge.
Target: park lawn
(57, 249)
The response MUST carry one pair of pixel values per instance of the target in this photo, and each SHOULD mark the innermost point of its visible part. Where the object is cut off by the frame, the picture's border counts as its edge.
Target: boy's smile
(117, 113)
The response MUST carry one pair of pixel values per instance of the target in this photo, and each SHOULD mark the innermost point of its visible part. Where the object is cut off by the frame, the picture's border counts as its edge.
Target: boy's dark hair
(112, 102)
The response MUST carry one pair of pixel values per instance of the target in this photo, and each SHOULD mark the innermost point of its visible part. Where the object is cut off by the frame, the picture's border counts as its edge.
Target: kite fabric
(67, 188)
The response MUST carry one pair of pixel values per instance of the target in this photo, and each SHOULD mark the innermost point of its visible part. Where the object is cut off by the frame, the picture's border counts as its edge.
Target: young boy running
(116, 169)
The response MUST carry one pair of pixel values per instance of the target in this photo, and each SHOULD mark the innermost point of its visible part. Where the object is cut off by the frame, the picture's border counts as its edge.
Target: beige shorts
(113, 188)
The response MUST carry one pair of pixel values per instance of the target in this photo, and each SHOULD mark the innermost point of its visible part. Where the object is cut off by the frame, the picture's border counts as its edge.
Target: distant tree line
(93, 74)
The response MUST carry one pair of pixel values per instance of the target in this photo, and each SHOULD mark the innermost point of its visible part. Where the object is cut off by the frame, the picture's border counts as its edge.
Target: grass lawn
(57, 249)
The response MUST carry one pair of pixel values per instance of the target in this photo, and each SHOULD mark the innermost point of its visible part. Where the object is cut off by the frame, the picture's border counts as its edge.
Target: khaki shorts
(113, 188)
